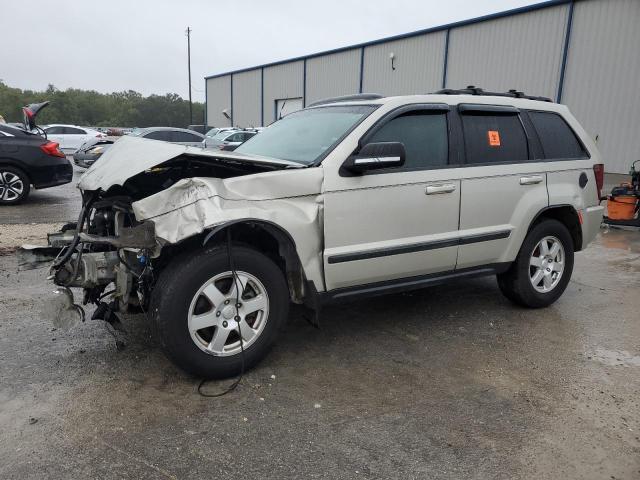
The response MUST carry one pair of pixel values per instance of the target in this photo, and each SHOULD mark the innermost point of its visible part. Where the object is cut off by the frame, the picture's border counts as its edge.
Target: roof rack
(473, 90)
(347, 98)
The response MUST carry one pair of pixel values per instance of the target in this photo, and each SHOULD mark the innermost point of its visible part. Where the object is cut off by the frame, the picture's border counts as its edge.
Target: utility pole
(189, 68)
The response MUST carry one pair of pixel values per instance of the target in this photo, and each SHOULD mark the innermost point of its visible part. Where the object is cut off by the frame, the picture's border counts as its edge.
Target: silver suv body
(352, 197)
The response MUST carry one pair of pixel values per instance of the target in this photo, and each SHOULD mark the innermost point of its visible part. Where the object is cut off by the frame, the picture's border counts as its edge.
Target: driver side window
(424, 136)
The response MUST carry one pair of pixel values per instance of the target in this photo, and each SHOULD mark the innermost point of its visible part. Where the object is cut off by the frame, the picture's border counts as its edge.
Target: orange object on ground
(621, 207)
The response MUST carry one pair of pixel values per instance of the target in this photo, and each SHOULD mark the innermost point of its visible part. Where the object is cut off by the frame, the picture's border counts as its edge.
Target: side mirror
(376, 156)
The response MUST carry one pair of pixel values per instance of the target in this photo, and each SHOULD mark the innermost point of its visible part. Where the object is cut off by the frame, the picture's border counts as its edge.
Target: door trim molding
(417, 247)
(406, 284)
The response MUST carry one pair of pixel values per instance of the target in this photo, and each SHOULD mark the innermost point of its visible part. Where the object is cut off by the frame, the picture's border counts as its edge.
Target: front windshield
(304, 136)
(212, 132)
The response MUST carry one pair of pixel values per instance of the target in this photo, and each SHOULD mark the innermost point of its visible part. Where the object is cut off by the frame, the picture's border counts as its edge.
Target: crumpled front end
(130, 228)
(288, 199)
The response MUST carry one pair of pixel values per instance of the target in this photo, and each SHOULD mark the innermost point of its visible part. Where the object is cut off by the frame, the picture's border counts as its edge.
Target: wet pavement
(50, 205)
(449, 382)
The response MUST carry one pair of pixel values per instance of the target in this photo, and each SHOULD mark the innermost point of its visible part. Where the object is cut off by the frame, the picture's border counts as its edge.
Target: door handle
(437, 189)
(532, 180)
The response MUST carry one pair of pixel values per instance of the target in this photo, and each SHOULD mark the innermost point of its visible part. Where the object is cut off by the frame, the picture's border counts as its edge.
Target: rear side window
(185, 137)
(556, 137)
(424, 136)
(159, 135)
(494, 138)
(74, 131)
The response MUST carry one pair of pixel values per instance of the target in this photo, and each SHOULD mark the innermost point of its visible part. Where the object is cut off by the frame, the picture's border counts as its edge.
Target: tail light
(51, 148)
(598, 170)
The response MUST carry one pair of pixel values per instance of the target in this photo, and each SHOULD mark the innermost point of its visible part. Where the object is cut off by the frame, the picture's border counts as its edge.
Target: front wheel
(210, 321)
(543, 267)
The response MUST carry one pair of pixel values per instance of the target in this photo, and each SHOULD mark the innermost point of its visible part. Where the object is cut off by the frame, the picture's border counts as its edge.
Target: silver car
(228, 139)
(347, 198)
(181, 136)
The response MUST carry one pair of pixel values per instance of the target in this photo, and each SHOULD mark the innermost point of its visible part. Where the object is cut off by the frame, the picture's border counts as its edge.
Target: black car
(90, 151)
(28, 159)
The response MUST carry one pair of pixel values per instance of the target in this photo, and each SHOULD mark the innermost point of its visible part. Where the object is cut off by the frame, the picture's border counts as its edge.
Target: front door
(396, 223)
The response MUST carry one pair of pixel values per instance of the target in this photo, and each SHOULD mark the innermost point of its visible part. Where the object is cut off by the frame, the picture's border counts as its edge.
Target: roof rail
(473, 90)
(347, 98)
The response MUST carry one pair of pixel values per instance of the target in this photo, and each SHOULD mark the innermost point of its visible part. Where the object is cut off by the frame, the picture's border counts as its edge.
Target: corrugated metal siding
(333, 75)
(281, 81)
(418, 61)
(218, 99)
(522, 52)
(601, 78)
(246, 99)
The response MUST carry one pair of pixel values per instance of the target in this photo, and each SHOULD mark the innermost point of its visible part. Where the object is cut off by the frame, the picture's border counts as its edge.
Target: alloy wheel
(11, 186)
(546, 264)
(223, 308)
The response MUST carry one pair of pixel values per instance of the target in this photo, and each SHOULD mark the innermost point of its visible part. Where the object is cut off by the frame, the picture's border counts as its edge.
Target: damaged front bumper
(94, 261)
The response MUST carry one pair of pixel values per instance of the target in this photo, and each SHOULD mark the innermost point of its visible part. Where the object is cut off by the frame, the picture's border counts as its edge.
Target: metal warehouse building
(584, 53)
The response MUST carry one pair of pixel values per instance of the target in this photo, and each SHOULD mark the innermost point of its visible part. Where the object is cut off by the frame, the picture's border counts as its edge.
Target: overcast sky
(115, 45)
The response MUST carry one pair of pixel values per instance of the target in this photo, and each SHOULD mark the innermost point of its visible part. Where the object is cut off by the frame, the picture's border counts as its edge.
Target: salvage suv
(349, 197)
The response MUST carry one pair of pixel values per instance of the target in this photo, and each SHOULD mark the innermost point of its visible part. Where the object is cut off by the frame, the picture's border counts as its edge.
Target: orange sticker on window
(494, 138)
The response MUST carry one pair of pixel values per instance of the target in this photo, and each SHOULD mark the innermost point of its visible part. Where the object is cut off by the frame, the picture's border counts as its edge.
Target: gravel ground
(449, 382)
(14, 235)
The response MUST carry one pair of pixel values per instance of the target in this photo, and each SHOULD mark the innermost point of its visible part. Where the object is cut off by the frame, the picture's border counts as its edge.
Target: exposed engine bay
(113, 251)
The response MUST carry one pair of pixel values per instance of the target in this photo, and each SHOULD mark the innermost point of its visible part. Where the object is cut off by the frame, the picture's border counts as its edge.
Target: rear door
(503, 187)
(397, 223)
(56, 134)
(73, 138)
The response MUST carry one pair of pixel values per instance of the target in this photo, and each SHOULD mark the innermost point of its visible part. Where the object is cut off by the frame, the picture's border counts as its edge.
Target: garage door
(285, 106)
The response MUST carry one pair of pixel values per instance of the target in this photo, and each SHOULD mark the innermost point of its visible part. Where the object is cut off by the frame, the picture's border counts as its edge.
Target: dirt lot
(450, 382)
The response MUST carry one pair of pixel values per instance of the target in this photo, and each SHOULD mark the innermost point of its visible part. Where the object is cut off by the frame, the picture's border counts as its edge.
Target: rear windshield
(306, 135)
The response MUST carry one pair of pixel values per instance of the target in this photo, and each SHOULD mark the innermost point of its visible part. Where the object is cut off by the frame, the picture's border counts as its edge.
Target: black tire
(516, 284)
(177, 286)
(12, 196)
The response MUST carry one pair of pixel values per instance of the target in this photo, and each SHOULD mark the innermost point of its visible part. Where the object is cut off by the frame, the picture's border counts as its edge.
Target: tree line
(91, 108)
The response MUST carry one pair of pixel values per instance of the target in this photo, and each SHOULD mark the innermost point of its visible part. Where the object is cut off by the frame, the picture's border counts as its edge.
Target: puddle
(616, 358)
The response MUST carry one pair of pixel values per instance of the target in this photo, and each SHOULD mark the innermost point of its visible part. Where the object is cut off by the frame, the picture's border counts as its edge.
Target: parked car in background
(90, 151)
(229, 139)
(215, 130)
(28, 159)
(170, 134)
(70, 137)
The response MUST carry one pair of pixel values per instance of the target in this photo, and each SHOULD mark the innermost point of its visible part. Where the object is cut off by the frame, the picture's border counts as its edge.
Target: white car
(347, 198)
(70, 137)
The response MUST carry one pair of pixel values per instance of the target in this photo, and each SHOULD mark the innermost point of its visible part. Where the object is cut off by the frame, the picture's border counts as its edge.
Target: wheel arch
(565, 214)
(272, 240)
(7, 162)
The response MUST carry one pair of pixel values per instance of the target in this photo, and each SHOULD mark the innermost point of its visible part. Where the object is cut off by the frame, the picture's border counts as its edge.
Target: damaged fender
(290, 199)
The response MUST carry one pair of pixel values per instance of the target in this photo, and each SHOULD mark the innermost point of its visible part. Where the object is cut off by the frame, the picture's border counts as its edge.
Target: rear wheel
(543, 267)
(14, 185)
(207, 320)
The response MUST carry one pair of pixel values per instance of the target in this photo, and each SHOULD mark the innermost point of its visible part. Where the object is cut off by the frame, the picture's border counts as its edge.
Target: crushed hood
(130, 156)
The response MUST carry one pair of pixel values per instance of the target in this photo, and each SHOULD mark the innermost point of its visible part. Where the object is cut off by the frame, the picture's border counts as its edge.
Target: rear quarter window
(494, 138)
(556, 136)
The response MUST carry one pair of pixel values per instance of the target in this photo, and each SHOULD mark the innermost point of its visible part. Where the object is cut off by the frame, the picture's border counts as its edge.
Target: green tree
(91, 108)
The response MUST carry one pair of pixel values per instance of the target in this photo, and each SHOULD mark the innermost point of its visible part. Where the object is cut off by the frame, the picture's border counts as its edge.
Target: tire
(14, 185)
(187, 295)
(532, 265)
